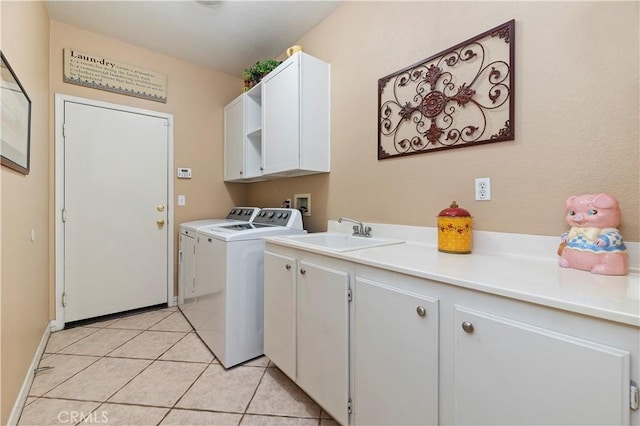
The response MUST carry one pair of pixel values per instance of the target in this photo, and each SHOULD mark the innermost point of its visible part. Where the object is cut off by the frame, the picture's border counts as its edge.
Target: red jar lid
(454, 211)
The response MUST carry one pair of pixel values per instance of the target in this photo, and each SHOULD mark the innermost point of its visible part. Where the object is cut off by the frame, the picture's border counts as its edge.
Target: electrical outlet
(483, 189)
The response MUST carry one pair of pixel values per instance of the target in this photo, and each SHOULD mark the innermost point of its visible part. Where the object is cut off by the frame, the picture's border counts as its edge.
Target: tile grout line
(187, 390)
(255, 391)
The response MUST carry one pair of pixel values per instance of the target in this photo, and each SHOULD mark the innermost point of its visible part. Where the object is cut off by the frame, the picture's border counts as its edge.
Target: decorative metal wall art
(460, 97)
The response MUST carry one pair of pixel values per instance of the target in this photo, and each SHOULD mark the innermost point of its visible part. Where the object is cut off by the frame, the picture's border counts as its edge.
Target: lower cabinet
(306, 325)
(408, 351)
(280, 311)
(395, 356)
(509, 372)
(323, 337)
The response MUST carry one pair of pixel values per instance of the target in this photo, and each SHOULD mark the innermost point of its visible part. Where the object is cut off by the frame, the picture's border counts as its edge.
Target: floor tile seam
(72, 343)
(172, 346)
(65, 380)
(70, 399)
(143, 313)
(102, 404)
(190, 386)
(156, 331)
(255, 391)
(123, 343)
(156, 359)
(128, 381)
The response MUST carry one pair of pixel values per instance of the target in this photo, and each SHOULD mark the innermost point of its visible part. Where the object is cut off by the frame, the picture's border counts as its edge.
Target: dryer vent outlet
(302, 202)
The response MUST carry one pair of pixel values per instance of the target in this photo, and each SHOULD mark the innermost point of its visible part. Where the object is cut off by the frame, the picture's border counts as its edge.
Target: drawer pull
(467, 326)
(303, 271)
(421, 311)
(288, 267)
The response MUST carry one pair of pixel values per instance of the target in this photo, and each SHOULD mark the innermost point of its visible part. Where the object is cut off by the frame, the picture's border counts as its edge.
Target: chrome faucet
(359, 230)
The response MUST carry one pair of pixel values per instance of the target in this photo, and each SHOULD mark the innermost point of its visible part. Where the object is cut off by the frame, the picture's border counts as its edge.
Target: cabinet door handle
(421, 311)
(288, 266)
(303, 271)
(467, 326)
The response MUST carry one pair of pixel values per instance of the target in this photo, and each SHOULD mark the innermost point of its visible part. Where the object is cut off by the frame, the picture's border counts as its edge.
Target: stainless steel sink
(339, 242)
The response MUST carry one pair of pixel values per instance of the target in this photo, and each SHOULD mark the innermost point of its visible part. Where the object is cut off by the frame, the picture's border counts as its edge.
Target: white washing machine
(230, 279)
(187, 248)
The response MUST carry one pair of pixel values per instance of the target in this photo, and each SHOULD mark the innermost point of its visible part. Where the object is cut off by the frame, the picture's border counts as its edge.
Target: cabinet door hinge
(64, 300)
(64, 215)
(349, 295)
(349, 406)
(634, 398)
(64, 130)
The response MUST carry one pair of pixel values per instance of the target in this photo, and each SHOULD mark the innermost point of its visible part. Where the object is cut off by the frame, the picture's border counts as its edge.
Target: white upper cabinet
(234, 134)
(286, 123)
(295, 117)
(243, 137)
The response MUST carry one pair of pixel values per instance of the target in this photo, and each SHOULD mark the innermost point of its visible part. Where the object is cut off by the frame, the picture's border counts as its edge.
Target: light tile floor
(150, 368)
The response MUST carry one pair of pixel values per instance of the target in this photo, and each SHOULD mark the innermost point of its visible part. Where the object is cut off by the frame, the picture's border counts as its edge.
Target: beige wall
(25, 204)
(196, 97)
(576, 116)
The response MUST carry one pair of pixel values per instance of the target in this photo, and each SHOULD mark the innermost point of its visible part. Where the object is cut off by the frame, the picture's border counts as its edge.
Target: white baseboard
(28, 380)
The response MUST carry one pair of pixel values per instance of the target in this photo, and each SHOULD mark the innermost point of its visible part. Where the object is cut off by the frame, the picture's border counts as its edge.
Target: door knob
(303, 271)
(160, 222)
(421, 311)
(467, 326)
(288, 266)
(160, 208)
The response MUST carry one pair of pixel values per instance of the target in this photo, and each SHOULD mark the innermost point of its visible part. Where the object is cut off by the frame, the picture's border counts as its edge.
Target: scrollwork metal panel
(460, 97)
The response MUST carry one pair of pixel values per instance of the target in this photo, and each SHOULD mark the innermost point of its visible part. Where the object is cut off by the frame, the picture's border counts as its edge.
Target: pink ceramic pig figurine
(593, 243)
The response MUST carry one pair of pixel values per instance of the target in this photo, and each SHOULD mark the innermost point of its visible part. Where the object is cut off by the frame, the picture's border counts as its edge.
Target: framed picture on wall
(16, 120)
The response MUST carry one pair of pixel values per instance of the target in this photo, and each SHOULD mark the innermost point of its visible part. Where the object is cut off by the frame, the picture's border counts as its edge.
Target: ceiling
(227, 36)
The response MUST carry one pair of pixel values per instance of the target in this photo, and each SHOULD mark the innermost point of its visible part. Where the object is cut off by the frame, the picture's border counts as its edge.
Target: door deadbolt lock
(160, 222)
(160, 208)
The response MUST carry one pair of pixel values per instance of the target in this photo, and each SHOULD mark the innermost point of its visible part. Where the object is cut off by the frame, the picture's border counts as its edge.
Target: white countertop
(532, 277)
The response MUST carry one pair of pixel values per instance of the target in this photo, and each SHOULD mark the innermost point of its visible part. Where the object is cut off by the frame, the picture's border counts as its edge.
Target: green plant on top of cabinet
(285, 125)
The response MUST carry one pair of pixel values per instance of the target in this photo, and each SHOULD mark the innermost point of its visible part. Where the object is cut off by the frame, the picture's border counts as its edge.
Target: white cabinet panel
(186, 270)
(395, 356)
(280, 118)
(508, 372)
(323, 337)
(280, 311)
(234, 135)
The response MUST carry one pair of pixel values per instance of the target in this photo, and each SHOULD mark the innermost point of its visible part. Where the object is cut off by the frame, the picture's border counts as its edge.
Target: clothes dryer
(187, 248)
(230, 280)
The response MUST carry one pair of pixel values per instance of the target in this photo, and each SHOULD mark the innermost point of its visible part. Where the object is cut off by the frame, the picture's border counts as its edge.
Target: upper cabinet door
(509, 372)
(281, 118)
(234, 134)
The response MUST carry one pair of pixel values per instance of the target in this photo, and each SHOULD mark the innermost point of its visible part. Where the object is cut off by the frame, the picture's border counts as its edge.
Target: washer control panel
(243, 213)
(291, 218)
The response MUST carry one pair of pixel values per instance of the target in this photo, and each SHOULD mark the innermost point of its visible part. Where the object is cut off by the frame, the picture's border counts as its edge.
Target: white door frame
(60, 99)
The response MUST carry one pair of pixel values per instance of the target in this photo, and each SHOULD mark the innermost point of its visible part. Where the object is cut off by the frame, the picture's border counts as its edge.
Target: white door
(508, 372)
(116, 230)
(234, 131)
(280, 311)
(323, 337)
(281, 119)
(395, 356)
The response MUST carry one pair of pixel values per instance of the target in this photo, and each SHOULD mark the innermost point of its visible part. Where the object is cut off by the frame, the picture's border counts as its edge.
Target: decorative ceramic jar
(454, 230)
(293, 49)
